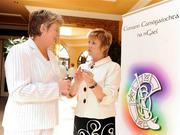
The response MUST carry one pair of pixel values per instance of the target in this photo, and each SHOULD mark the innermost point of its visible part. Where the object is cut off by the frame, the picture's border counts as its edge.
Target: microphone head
(92, 67)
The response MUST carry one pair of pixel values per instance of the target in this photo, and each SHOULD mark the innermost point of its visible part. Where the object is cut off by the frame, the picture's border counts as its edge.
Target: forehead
(94, 38)
(55, 25)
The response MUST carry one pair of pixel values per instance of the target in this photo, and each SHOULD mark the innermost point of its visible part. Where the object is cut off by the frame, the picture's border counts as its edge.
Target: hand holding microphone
(64, 86)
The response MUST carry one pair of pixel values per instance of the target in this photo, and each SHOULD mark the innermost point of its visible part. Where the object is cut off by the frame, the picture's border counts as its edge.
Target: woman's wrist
(71, 95)
(93, 85)
(74, 88)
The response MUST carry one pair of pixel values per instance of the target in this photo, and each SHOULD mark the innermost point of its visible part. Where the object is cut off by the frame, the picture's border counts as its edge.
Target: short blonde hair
(104, 36)
(39, 17)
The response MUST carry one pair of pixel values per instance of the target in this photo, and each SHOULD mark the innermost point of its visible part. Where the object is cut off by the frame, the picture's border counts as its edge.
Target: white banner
(149, 97)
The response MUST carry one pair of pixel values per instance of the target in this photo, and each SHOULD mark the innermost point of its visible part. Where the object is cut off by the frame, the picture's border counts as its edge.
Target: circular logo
(140, 102)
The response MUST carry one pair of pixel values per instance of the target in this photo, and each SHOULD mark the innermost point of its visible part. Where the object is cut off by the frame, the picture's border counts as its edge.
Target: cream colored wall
(74, 47)
(74, 53)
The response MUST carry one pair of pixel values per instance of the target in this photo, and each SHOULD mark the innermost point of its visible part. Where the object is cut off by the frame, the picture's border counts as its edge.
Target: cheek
(95, 52)
(56, 33)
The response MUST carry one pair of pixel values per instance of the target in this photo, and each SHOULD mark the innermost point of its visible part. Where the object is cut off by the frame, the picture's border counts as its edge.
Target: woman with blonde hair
(96, 85)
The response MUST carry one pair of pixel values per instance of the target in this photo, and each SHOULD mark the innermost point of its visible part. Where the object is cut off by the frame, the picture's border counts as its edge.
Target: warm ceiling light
(110, 0)
(65, 31)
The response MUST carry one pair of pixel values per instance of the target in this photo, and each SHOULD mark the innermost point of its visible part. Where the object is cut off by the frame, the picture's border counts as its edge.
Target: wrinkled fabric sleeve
(20, 86)
(111, 85)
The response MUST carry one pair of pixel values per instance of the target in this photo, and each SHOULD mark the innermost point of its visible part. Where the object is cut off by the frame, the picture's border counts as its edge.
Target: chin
(90, 54)
(89, 51)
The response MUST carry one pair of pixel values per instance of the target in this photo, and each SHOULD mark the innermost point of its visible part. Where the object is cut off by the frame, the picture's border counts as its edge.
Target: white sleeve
(20, 86)
(111, 85)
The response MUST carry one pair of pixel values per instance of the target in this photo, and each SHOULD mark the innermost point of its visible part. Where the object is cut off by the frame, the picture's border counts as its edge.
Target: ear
(104, 48)
(42, 28)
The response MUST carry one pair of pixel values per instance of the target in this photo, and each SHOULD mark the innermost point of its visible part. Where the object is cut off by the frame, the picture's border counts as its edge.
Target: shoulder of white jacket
(115, 64)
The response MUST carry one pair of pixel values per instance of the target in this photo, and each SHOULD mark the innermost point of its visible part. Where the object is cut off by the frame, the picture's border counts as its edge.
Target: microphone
(92, 67)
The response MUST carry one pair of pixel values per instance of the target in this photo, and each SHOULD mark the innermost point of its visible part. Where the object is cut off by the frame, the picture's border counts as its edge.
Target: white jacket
(33, 88)
(107, 75)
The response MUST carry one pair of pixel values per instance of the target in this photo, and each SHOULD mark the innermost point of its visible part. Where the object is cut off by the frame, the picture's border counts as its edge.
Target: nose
(89, 44)
(89, 47)
(56, 39)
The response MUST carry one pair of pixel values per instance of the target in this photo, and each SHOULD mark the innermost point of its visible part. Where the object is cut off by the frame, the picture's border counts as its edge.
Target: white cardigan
(33, 88)
(107, 75)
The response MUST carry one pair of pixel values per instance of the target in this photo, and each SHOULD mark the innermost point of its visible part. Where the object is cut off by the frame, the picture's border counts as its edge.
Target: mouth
(56, 40)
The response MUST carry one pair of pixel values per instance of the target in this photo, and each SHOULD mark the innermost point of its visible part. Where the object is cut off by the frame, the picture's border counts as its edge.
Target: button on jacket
(33, 88)
(107, 75)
